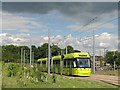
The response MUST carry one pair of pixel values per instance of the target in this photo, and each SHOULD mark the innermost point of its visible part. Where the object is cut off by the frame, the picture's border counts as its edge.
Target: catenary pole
(21, 57)
(93, 52)
(49, 51)
(30, 52)
(61, 61)
(24, 58)
(66, 46)
(104, 52)
(100, 52)
(114, 63)
(33, 57)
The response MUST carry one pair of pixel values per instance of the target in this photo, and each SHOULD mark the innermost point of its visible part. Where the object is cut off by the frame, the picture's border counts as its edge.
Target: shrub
(12, 69)
(54, 78)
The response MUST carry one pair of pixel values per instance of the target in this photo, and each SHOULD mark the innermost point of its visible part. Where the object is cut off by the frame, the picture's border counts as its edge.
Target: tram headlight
(89, 69)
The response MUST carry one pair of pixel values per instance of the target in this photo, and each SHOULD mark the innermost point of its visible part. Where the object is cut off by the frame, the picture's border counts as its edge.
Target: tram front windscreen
(83, 63)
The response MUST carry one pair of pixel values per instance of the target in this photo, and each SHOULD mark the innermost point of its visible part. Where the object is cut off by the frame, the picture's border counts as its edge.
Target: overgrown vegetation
(0, 75)
(33, 78)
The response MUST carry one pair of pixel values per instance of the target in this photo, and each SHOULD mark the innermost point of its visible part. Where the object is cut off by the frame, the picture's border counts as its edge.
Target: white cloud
(11, 22)
(45, 38)
(104, 44)
(104, 40)
(78, 27)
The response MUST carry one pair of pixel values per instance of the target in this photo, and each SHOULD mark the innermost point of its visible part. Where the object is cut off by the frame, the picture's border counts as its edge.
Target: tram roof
(68, 56)
(42, 59)
(75, 55)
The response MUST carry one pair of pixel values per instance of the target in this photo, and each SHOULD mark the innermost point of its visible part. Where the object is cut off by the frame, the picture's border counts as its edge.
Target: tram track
(103, 78)
(113, 80)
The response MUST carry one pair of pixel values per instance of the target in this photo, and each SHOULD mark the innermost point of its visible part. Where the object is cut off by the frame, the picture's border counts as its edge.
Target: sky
(70, 23)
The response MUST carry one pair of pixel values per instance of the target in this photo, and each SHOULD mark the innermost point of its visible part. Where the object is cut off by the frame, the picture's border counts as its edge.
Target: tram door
(70, 68)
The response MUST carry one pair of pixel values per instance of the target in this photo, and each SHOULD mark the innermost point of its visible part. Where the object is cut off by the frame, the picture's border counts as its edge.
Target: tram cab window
(83, 62)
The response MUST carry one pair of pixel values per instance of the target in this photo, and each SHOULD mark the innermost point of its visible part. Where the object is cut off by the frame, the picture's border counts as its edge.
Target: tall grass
(34, 78)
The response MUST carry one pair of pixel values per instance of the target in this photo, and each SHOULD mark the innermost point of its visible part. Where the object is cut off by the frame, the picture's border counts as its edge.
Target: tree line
(12, 53)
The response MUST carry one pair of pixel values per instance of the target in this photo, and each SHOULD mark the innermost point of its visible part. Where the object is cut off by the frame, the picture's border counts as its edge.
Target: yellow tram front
(78, 64)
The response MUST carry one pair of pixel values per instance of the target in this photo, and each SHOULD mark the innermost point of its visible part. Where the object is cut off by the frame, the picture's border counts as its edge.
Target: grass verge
(48, 82)
(0, 75)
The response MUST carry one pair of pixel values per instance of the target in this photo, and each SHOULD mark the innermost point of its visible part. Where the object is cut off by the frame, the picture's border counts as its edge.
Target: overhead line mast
(49, 51)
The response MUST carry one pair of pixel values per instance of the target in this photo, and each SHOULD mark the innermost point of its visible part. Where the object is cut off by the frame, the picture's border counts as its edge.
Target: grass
(61, 82)
(0, 75)
(105, 73)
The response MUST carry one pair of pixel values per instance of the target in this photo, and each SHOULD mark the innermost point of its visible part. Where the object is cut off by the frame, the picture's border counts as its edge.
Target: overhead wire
(90, 23)
(96, 36)
(102, 11)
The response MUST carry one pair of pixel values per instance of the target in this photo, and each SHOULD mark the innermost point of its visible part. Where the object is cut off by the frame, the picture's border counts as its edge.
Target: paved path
(104, 78)
(0, 80)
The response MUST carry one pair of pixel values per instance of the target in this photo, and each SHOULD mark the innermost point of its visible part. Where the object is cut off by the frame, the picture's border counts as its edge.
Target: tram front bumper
(84, 72)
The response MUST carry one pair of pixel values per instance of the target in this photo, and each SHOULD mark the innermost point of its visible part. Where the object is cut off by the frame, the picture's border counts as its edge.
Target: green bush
(3, 63)
(12, 69)
(54, 78)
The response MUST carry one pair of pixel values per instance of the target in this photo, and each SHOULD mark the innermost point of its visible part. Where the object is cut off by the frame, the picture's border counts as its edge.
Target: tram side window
(68, 63)
(57, 62)
(72, 65)
(64, 64)
(54, 63)
(44, 62)
(39, 62)
(50, 61)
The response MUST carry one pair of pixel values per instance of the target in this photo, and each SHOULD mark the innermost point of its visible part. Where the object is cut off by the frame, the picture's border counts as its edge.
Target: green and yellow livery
(77, 64)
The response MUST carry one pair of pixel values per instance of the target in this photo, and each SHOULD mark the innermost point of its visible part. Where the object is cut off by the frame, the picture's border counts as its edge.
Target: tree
(117, 60)
(43, 50)
(35, 50)
(12, 53)
(55, 50)
(109, 58)
(69, 49)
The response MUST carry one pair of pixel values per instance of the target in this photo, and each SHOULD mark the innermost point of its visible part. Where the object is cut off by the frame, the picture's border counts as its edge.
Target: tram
(77, 64)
